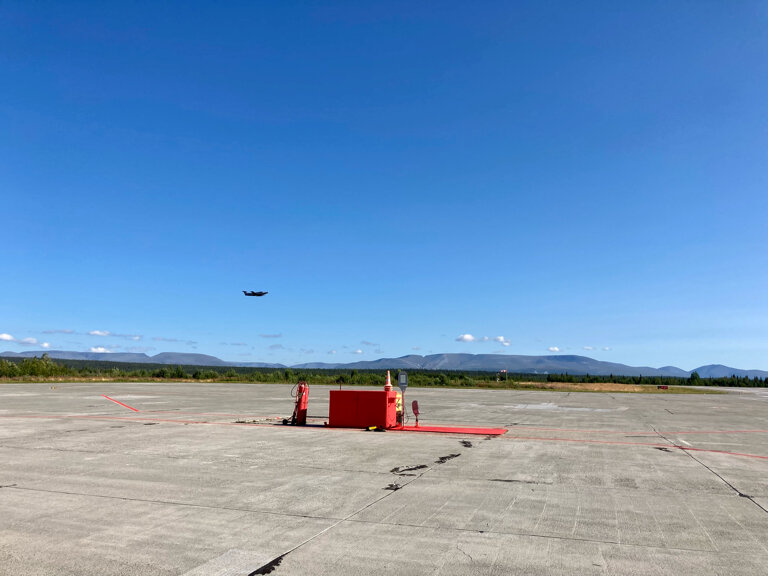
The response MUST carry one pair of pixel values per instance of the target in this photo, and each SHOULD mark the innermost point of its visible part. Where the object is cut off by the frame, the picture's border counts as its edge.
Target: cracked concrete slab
(599, 485)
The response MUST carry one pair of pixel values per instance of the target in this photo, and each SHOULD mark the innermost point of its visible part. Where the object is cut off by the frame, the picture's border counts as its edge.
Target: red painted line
(121, 404)
(452, 430)
(269, 425)
(582, 441)
(638, 432)
(691, 449)
(222, 414)
(718, 432)
(129, 419)
(654, 445)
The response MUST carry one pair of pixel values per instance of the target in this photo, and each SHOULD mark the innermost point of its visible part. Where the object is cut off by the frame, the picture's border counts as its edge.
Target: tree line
(45, 367)
(693, 380)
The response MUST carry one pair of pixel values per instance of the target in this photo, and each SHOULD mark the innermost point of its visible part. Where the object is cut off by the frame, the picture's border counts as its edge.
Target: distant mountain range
(472, 362)
(181, 358)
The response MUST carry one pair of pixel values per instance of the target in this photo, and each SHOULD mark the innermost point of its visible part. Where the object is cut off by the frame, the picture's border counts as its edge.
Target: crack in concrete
(50, 448)
(269, 567)
(460, 549)
(350, 518)
(170, 503)
(518, 481)
(444, 459)
(399, 470)
(731, 486)
(331, 527)
(530, 535)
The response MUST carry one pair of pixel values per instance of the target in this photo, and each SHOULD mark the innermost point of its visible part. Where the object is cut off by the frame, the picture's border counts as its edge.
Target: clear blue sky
(578, 178)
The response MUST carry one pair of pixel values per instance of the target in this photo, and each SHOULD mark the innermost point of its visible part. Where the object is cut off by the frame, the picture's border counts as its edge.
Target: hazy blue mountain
(67, 355)
(720, 371)
(571, 364)
(492, 362)
(176, 358)
(674, 371)
(187, 359)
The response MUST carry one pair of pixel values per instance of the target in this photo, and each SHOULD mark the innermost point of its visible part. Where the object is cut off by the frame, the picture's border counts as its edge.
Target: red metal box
(363, 408)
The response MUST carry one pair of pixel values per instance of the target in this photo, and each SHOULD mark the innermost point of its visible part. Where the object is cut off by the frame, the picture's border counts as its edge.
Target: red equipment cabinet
(363, 409)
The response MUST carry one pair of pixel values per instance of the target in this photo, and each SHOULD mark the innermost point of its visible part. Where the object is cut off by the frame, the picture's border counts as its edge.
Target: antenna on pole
(402, 383)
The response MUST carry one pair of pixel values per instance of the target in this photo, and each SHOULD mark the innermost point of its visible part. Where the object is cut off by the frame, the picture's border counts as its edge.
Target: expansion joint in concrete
(531, 535)
(731, 486)
(170, 503)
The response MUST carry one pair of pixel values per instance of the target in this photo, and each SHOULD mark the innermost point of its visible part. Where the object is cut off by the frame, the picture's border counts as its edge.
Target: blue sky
(547, 177)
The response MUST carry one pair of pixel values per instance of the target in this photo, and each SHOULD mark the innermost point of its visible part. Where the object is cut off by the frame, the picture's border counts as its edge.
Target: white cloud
(46, 344)
(504, 341)
(100, 349)
(358, 351)
(23, 341)
(553, 349)
(331, 351)
(484, 338)
(366, 343)
(607, 348)
(134, 337)
(589, 347)
(465, 338)
(416, 348)
(58, 331)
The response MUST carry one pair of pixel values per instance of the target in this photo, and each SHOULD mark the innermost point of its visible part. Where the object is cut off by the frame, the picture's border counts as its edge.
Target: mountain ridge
(551, 364)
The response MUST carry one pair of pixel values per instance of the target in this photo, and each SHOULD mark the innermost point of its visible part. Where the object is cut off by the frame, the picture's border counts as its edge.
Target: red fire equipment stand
(300, 408)
(379, 409)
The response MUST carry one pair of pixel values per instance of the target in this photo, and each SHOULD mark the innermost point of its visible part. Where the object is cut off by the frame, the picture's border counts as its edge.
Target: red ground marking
(452, 430)
(655, 445)
(640, 432)
(422, 428)
(130, 419)
(223, 414)
(121, 404)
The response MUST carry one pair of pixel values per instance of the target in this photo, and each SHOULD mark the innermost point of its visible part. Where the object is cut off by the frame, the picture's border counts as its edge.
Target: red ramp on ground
(454, 430)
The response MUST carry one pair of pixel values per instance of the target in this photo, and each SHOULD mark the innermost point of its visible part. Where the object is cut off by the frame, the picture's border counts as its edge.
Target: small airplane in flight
(254, 293)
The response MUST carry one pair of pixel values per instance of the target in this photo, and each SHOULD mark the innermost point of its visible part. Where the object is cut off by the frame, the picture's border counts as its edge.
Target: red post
(302, 400)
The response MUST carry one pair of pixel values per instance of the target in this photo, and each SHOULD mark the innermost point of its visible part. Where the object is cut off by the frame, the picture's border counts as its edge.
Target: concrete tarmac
(204, 480)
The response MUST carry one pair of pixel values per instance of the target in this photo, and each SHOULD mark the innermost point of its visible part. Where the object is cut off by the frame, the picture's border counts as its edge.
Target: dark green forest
(26, 369)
